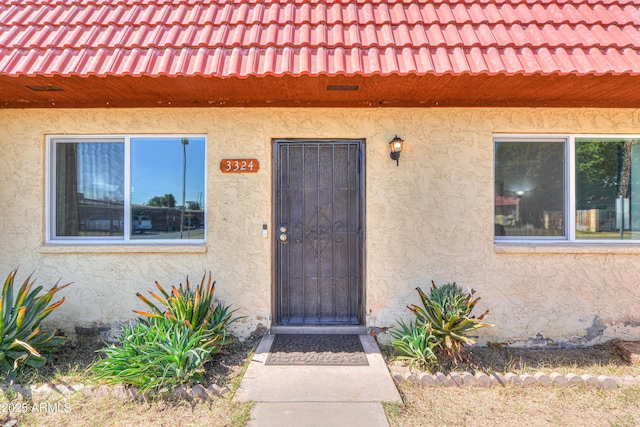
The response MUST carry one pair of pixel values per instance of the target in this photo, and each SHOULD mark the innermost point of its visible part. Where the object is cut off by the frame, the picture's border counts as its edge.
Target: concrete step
(317, 414)
(307, 383)
(318, 396)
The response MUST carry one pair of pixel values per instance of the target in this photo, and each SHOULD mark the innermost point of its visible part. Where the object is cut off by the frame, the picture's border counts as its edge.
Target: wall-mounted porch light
(396, 149)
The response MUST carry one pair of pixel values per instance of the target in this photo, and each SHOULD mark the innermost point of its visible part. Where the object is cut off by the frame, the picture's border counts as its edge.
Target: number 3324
(239, 165)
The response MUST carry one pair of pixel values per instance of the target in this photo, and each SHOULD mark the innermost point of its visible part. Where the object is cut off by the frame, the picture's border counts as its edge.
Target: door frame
(274, 224)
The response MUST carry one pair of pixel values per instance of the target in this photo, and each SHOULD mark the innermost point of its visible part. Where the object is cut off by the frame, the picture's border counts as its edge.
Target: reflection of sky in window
(101, 171)
(157, 169)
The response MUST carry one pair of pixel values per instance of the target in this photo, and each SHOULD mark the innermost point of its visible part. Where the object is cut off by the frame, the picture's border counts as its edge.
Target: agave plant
(452, 298)
(223, 316)
(159, 355)
(446, 313)
(21, 339)
(415, 344)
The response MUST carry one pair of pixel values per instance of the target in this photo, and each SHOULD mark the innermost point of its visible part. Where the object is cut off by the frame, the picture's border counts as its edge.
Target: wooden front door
(318, 211)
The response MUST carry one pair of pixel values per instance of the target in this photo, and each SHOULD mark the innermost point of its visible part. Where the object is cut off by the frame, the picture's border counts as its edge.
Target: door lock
(283, 233)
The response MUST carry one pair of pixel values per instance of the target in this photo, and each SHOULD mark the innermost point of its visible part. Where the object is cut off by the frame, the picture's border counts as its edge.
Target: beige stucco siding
(429, 218)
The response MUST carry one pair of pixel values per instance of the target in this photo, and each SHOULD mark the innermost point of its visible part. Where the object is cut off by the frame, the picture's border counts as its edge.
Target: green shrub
(159, 355)
(416, 345)
(171, 343)
(23, 342)
(446, 313)
(196, 308)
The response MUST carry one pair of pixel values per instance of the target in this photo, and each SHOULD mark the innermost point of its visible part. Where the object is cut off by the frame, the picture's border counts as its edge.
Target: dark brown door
(318, 232)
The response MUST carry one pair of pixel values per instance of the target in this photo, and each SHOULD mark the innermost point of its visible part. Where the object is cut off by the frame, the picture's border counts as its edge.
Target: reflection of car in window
(101, 223)
(141, 223)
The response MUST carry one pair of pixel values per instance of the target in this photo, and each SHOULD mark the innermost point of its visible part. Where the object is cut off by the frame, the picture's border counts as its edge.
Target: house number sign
(239, 165)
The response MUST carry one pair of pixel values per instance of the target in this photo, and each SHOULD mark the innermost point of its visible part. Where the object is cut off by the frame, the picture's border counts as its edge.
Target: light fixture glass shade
(396, 144)
(396, 148)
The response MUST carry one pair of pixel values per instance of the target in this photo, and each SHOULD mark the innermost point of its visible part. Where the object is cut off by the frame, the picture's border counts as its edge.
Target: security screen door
(318, 232)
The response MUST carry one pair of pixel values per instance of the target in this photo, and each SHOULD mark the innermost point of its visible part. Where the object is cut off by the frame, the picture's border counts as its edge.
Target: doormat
(319, 350)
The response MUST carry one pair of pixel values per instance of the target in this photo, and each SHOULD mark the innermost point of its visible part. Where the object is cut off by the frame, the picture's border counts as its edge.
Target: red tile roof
(335, 37)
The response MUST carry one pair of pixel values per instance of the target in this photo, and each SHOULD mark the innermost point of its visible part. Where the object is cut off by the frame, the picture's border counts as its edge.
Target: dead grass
(513, 406)
(532, 406)
(107, 412)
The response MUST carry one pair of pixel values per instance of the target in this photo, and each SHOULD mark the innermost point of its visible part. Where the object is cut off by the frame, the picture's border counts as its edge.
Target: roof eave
(448, 90)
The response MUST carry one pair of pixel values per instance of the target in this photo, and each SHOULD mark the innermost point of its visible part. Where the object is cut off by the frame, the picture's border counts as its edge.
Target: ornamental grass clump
(446, 313)
(23, 342)
(170, 343)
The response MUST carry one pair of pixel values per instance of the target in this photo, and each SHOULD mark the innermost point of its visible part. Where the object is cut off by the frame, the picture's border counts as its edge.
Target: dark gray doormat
(327, 350)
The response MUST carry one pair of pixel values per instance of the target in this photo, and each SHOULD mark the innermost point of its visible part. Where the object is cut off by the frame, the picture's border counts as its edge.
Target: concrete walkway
(306, 396)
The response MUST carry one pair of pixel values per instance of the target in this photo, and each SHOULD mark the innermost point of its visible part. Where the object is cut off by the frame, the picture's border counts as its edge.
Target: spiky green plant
(159, 355)
(446, 312)
(195, 307)
(452, 299)
(222, 315)
(22, 340)
(171, 342)
(415, 344)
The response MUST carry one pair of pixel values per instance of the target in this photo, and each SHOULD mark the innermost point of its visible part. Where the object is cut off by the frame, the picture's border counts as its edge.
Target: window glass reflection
(89, 189)
(607, 178)
(167, 188)
(529, 188)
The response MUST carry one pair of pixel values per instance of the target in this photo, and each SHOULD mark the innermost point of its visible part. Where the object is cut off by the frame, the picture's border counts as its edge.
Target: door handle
(283, 233)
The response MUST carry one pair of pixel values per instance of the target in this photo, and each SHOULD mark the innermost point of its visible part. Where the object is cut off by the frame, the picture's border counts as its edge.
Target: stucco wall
(429, 218)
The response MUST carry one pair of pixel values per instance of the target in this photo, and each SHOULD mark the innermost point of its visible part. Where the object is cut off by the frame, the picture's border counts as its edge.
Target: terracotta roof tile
(260, 37)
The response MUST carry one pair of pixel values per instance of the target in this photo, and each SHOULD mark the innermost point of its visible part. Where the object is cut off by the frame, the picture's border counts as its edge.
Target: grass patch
(531, 406)
(510, 406)
(107, 412)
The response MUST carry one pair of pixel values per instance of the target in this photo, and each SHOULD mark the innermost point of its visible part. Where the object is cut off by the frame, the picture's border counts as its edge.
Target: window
(127, 189)
(575, 188)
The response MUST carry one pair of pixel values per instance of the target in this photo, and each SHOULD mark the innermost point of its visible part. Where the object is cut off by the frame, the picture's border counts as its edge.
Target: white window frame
(569, 190)
(50, 182)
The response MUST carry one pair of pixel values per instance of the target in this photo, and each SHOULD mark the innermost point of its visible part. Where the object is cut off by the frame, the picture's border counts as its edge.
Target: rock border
(55, 392)
(486, 380)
